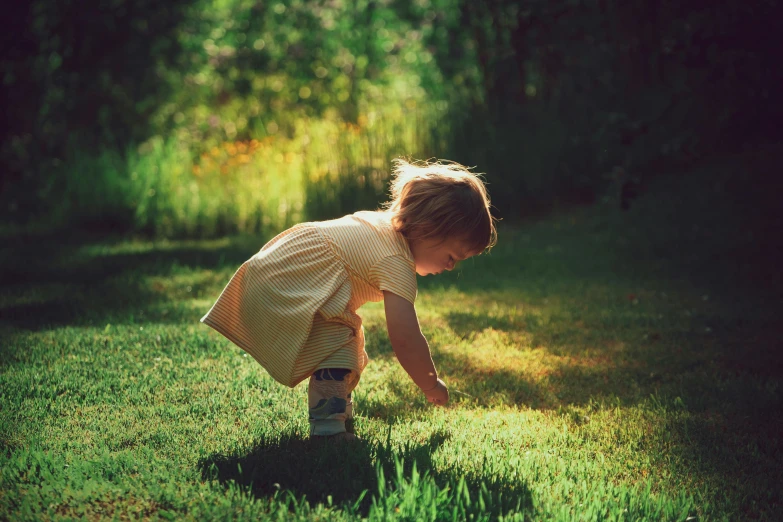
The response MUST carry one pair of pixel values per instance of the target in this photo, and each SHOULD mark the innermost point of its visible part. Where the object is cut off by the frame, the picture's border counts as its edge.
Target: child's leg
(329, 398)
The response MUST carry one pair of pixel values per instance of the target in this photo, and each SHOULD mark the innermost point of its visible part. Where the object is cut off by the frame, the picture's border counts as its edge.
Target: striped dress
(292, 306)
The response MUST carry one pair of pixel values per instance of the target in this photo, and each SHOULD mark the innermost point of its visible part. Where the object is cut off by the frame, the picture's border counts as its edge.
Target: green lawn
(603, 366)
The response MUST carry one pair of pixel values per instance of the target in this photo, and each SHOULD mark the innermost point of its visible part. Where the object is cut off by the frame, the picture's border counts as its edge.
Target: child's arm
(411, 347)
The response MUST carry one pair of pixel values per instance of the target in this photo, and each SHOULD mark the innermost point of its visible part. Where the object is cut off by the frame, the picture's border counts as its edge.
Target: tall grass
(348, 169)
(534, 158)
(310, 168)
(167, 187)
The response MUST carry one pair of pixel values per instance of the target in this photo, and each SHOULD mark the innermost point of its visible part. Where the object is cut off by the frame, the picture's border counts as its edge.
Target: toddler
(292, 306)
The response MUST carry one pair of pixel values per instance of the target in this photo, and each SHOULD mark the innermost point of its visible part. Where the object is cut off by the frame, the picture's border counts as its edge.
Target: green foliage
(326, 169)
(558, 102)
(194, 77)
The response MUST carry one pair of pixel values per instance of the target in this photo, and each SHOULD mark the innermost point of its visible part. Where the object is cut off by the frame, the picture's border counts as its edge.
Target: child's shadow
(315, 470)
(342, 471)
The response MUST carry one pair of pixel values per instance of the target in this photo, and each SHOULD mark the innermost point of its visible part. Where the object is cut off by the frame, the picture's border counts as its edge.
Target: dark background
(559, 102)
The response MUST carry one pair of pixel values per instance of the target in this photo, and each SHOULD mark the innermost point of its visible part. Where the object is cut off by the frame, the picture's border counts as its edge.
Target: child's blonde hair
(441, 200)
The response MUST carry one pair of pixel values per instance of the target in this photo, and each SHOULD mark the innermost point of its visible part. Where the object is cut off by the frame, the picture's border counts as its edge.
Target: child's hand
(439, 395)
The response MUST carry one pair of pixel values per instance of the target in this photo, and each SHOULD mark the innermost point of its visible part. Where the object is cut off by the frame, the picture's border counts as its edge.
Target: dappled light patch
(43, 293)
(110, 504)
(198, 285)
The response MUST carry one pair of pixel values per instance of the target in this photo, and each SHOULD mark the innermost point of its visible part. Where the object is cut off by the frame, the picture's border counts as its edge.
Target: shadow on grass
(734, 432)
(74, 288)
(318, 470)
(61, 260)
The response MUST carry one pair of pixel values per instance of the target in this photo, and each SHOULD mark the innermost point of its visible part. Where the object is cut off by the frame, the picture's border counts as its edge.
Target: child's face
(433, 256)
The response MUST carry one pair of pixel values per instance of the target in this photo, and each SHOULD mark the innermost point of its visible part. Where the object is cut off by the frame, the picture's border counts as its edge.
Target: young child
(292, 306)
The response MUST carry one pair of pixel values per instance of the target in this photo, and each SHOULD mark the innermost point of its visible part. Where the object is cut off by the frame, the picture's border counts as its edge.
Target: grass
(603, 366)
(176, 187)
